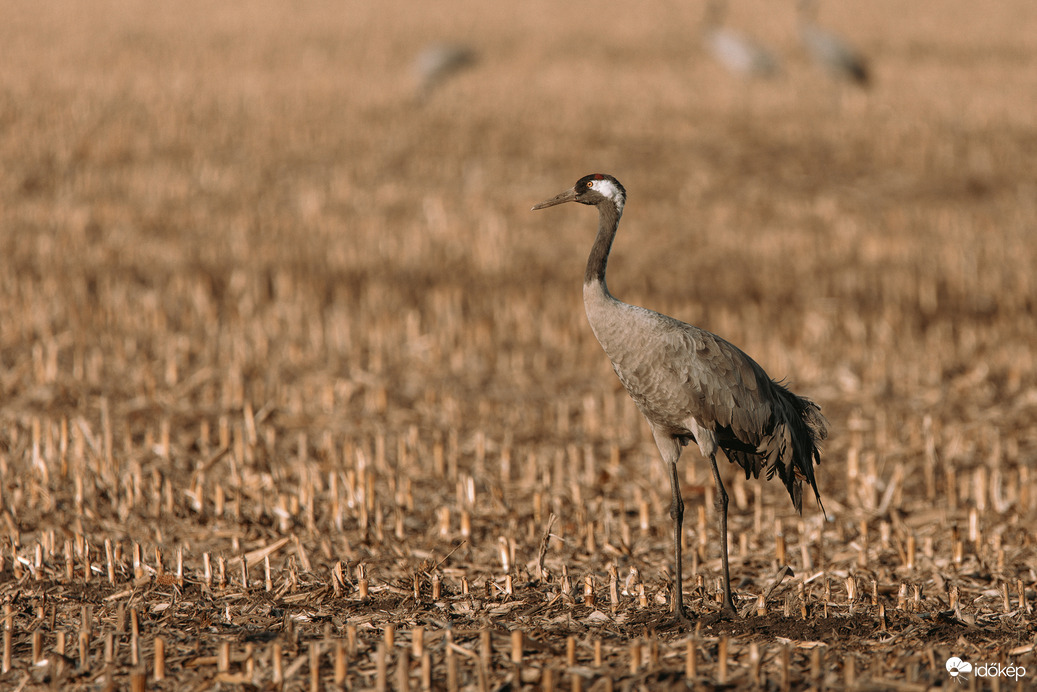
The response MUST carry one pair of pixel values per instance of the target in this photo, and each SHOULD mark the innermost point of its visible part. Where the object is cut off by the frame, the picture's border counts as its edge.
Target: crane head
(593, 189)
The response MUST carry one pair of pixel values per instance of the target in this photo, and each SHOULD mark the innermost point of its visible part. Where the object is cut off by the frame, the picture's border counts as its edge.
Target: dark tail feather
(793, 448)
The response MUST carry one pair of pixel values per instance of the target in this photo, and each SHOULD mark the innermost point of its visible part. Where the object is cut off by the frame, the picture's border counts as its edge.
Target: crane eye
(590, 183)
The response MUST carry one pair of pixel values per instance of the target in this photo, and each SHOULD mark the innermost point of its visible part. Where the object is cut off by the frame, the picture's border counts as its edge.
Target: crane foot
(680, 621)
(727, 613)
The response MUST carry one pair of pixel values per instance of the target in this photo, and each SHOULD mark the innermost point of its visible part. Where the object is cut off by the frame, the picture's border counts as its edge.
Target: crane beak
(567, 196)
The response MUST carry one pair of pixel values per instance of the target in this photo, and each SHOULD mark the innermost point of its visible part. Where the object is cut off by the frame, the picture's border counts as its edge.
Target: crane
(437, 62)
(693, 386)
(738, 53)
(828, 50)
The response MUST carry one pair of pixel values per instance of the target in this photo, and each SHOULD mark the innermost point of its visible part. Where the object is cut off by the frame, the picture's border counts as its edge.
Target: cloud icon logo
(955, 666)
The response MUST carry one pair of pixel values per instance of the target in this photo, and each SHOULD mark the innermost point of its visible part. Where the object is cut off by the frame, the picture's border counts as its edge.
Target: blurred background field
(262, 297)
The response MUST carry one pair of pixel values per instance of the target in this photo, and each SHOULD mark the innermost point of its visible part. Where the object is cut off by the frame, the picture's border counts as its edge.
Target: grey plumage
(439, 61)
(829, 51)
(693, 386)
(738, 53)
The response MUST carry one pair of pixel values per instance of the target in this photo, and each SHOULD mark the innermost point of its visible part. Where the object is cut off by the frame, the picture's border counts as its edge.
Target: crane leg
(728, 607)
(677, 515)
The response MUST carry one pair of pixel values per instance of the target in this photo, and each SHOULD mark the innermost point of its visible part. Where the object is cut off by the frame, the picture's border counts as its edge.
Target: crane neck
(608, 223)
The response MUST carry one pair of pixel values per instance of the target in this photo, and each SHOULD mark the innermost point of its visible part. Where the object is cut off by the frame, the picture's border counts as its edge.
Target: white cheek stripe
(609, 189)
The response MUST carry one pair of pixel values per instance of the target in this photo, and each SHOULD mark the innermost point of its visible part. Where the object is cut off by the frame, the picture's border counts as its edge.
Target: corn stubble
(294, 391)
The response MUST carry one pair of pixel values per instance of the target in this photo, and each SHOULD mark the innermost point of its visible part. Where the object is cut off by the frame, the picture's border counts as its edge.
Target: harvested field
(295, 392)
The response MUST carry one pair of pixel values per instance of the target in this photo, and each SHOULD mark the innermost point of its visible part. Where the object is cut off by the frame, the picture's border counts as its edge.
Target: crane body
(693, 386)
(828, 50)
(737, 52)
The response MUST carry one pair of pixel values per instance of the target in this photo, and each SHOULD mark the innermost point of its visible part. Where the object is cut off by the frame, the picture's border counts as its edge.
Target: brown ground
(258, 300)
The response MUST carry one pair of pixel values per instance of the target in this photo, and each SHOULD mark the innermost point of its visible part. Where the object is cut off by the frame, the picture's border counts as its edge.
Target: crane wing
(675, 371)
(684, 379)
